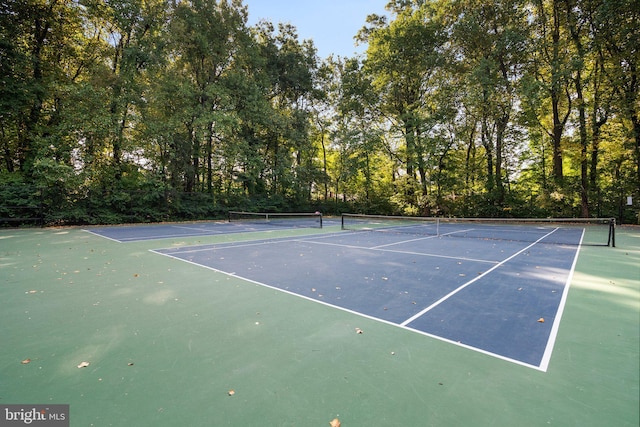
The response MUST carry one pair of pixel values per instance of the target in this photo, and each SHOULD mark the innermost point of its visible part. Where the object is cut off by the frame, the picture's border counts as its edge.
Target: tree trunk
(574, 29)
(500, 131)
(557, 83)
(486, 142)
(584, 148)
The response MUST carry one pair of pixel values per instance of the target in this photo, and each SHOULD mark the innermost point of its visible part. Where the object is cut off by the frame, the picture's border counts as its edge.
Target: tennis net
(298, 219)
(567, 231)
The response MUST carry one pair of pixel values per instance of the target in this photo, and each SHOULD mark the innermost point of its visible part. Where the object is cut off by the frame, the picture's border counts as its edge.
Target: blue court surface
(504, 298)
(136, 233)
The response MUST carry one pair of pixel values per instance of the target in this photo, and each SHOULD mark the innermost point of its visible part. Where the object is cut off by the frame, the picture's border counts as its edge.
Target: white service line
(455, 291)
(198, 229)
(420, 238)
(402, 252)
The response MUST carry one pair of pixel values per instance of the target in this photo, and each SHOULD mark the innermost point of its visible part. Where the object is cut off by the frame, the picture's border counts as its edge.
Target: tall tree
(37, 38)
(577, 26)
(491, 42)
(131, 34)
(618, 35)
(553, 73)
(291, 66)
(403, 57)
(206, 39)
(359, 121)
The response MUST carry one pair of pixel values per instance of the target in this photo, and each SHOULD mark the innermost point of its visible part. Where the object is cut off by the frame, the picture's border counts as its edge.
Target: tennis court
(374, 323)
(239, 222)
(500, 297)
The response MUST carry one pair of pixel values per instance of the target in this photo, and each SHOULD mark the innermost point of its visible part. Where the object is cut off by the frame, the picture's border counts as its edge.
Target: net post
(612, 232)
(320, 215)
(342, 222)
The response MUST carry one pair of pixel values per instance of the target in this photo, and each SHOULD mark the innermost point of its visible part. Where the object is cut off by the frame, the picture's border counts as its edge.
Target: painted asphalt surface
(501, 298)
(145, 321)
(136, 233)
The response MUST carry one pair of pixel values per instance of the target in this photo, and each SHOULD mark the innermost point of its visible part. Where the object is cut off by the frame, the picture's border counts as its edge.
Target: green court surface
(166, 341)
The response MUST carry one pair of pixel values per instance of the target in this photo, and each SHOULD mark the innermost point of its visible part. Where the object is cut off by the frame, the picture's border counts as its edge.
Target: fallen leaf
(359, 331)
(231, 392)
(25, 361)
(334, 422)
(541, 320)
(83, 365)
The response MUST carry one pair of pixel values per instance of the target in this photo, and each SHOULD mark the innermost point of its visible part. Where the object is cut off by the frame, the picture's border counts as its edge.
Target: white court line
(357, 313)
(402, 252)
(226, 273)
(144, 239)
(551, 340)
(309, 239)
(546, 358)
(455, 291)
(100, 235)
(162, 236)
(200, 230)
(420, 238)
(215, 246)
(266, 241)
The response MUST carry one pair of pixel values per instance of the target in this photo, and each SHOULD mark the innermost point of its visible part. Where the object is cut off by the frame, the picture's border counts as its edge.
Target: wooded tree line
(145, 110)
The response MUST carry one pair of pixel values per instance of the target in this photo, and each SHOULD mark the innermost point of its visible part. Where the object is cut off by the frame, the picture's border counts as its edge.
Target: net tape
(295, 219)
(601, 231)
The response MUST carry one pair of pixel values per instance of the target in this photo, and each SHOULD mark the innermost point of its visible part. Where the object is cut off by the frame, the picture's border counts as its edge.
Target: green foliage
(138, 111)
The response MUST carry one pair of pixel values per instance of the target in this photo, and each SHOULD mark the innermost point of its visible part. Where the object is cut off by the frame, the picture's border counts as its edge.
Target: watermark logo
(34, 415)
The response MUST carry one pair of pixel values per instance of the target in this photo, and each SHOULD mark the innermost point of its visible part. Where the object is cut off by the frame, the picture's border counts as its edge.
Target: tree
(38, 42)
(489, 42)
(402, 59)
(290, 68)
(618, 38)
(206, 41)
(120, 109)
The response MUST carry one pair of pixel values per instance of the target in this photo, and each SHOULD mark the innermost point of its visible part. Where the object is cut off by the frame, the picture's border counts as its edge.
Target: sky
(331, 24)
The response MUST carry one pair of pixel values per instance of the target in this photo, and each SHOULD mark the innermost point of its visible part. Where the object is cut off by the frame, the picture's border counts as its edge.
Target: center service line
(455, 291)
